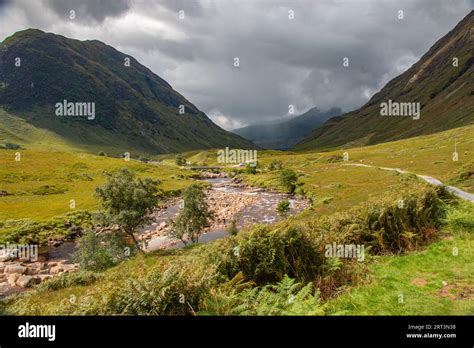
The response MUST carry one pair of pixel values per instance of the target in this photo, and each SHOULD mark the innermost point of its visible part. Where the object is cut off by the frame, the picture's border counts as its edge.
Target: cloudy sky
(290, 52)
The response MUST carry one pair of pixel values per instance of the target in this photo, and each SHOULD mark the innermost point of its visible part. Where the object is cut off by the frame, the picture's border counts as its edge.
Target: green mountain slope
(283, 135)
(445, 93)
(135, 110)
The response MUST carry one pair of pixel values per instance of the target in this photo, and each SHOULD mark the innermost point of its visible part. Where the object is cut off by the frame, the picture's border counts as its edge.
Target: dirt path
(429, 179)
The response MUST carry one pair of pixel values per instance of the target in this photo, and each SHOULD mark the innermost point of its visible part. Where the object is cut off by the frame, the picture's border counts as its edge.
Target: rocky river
(228, 198)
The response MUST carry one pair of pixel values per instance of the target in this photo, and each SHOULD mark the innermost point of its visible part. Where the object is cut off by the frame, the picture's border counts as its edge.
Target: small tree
(283, 208)
(194, 216)
(127, 201)
(180, 160)
(288, 180)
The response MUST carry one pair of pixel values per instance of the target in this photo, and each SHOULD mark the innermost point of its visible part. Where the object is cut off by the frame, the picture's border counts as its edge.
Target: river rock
(39, 265)
(15, 268)
(26, 281)
(32, 271)
(12, 278)
(56, 269)
(4, 287)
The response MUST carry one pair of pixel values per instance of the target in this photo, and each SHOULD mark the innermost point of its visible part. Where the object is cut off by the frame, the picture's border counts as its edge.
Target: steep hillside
(443, 89)
(135, 110)
(283, 135)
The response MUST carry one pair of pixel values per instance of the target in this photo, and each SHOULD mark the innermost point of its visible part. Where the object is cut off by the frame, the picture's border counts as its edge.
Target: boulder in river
(15, 268)
(26, 281)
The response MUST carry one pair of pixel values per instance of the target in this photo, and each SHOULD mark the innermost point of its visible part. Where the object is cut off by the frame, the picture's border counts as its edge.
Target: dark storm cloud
(86, 10)
(283, 61)
(4, 2)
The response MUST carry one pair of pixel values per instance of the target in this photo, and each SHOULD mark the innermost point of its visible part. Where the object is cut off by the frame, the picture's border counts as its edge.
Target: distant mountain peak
(284, 134)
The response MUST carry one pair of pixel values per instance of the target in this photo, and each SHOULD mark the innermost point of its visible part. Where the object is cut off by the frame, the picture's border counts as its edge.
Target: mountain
(445, 94)
(284, 134)
(135, 110)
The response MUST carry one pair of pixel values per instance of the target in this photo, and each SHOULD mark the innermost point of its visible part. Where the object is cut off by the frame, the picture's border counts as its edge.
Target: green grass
(74, 173)
(419, 278)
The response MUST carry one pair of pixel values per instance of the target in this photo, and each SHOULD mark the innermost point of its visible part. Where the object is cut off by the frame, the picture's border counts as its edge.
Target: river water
(262, 210)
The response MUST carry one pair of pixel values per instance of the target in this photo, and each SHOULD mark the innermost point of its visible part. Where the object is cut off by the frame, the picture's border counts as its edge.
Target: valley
(138, 203)
(330, 185)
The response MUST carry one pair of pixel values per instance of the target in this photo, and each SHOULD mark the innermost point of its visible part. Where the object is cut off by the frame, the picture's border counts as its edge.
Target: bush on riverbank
(97, 252)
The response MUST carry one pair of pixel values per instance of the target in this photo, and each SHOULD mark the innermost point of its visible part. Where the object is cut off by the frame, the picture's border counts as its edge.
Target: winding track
(429, 179)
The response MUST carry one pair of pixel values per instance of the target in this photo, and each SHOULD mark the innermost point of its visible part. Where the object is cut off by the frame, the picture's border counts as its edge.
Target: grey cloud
(193, 8)
(87, 10)
(3, 3)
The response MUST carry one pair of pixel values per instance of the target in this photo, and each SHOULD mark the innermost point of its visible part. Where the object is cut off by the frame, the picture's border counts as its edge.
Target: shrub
(97, 252)
(385, 227)
(232, 229)
(180, 160)
(283, 207)
(251, 168)
(275, 165)
(265, 255)
(177, 290)
(288, 180)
